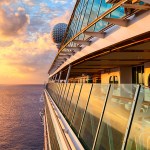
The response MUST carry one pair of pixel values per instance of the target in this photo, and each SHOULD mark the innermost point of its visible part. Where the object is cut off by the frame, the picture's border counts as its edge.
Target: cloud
(5, 43)
(59, 1)
(44, 8)
(29, 2)
(26, 48)
(64, 18)
(27, 60)
(5, 2)
(13, 23)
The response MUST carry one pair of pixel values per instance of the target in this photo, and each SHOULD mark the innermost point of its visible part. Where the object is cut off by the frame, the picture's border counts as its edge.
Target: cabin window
(138, 75)
(113, 80)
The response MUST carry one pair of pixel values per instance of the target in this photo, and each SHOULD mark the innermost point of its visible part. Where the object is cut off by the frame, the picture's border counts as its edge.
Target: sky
(26, 47)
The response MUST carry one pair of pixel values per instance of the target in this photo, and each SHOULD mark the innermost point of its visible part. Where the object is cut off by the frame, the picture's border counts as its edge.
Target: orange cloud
(13, 24)
(61, 19)
(26, 62)
(24, 59)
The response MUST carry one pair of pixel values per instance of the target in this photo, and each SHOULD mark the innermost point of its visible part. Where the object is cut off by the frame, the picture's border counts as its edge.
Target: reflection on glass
(93, 114)
(118, 13)
(94, 11)
(139, 137)
(82, 103)
(74, 101)
(61, 92)
(65, 96)
(55, 92)
(81, 20)
(86, 12)
(51, 93)
(115, 119)
(58, 90)
(62, 95)
(69, 97)
(100, 25)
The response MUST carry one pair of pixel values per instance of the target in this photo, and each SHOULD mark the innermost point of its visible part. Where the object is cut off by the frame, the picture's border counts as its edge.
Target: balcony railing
(105, 116)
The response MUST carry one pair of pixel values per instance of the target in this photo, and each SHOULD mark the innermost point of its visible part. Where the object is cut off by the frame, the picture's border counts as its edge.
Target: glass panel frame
(69, 99)
(116, 117)
(93, 114)
(140, 126)
(74, 101)
(81, 107)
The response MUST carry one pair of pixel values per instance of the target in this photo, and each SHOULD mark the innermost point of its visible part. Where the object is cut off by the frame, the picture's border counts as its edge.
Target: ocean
(20, 123)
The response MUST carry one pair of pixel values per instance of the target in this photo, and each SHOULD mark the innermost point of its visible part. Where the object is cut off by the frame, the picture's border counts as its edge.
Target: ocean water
(20, 126)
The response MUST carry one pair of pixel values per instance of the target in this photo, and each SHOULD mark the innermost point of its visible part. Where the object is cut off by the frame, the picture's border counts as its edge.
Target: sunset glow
(26, 48)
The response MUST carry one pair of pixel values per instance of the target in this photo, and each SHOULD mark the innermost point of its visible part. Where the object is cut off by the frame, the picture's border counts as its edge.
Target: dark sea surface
(20, 126)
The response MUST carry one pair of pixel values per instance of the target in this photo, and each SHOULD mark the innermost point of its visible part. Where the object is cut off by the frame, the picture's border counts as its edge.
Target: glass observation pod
(102, 116)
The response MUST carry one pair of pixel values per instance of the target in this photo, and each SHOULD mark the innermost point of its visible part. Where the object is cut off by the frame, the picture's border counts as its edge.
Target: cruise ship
(98, 91)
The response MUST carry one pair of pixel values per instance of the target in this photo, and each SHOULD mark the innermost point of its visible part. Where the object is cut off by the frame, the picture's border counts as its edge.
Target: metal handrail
(69, 136)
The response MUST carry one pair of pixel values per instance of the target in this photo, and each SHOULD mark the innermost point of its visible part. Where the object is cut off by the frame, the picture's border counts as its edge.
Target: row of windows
(86, 12)
(83, 107)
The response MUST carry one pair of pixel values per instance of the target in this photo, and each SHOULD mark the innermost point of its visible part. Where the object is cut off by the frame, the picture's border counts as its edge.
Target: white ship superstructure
(98, 93)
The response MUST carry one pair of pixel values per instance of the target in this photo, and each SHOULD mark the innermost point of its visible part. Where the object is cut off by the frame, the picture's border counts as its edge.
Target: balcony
(99, 116)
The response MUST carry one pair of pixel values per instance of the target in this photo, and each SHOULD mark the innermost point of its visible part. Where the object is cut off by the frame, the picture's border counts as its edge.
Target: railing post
(68, 73)
(85, 111)
(76, 104)
(135, 100)
(59, 76)
(109, 93)
(70, 100)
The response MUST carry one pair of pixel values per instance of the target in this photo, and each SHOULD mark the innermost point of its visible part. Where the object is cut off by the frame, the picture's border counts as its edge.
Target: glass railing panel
(81, 106)
(139, 136)
(116, 116)
(65, 96)
(53, 92)
(50, 87)
(57, 92)
(74, 101)
(62, 94)
(69, 98)
(93, 113)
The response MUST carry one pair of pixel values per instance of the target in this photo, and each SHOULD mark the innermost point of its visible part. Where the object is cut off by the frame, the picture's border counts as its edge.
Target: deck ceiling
(130, 56)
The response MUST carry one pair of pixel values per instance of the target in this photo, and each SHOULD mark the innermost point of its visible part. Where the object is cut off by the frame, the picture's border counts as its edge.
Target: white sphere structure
(58, 33)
